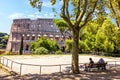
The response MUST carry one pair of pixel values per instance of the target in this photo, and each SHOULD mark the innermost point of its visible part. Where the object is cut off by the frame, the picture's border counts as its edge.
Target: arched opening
(27, 47)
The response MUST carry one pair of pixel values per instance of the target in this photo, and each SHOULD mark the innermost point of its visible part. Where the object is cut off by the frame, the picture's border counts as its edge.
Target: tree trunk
(75, 52)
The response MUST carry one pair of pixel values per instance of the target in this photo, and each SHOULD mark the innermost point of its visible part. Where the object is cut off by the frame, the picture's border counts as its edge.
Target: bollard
(20, 69)
(40, 70)
(11, 64)
(0, 59)
(7, 63)
(60, 68)
(3, 60)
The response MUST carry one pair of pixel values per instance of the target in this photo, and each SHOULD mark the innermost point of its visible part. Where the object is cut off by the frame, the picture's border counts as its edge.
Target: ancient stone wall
(31, 30)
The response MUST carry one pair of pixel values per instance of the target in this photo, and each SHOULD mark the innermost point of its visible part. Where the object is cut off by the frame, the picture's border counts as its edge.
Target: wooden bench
(101, 66)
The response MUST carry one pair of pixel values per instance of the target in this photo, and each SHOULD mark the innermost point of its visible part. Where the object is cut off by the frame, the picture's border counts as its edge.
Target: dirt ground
(113, 74)
(109, 74)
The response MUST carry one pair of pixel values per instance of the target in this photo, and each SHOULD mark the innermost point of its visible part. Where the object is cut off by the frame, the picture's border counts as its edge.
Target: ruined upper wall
(38, 25)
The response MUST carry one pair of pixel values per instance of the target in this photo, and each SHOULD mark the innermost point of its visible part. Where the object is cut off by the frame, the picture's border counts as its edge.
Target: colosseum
(31, 30)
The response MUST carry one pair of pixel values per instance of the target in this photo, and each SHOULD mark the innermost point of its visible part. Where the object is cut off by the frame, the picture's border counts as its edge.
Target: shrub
(41, 50)
(58, 52)
(21, 46)
(50, 45)
(68, 44)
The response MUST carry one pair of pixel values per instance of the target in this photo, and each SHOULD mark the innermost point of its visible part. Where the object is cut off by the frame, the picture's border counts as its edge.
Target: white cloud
(36, 13)
(16, 15)
(38, 16)
(31, 16)
(46, 15)
(51, 15)
(47, 4)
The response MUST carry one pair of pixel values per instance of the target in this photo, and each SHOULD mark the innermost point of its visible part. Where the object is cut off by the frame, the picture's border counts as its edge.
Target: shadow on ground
(93, 75)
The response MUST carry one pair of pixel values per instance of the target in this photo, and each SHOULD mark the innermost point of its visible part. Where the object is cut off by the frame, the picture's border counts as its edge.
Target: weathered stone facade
(31, 30)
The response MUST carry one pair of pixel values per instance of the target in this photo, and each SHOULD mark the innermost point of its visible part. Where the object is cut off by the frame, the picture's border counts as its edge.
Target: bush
(58, 52)
(50, 45)
(68, 44)
(41, 50)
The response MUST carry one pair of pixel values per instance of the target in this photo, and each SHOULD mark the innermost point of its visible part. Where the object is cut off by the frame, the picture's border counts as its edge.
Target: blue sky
(14, 9)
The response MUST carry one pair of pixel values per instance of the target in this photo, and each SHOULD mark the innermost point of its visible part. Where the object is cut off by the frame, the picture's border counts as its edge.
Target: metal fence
(22, 68)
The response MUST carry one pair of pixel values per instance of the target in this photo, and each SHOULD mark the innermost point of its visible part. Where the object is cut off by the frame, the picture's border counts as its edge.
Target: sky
(15, 9)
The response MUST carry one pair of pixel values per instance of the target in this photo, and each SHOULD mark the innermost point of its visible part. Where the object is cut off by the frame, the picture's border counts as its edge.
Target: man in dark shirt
(89, 65)
(91, 62)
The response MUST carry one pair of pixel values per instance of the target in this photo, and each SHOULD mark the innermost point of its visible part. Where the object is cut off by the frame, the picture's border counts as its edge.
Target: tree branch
(88, 16)
(81, 14)
(78, 10)
(65, 13)
(114, 13)
(66, 8)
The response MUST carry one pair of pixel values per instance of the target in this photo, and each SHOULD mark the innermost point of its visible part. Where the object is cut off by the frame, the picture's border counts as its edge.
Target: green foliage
(90, 42)
(36, 4)
(21, 46)
(88, 35)
(81, 11)
(41, 50)
(3, 40)
(108, 46)
(53, 2)
(82, 45)
(117, 39)
(50, 45)
(100, 38)
(68, 44)
(61, 25)
(3, 34)
(58, 52)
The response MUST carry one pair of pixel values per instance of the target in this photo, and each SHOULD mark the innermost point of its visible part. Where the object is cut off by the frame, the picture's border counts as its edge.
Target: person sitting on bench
(101, 61)
(88, 66)
(101, 64)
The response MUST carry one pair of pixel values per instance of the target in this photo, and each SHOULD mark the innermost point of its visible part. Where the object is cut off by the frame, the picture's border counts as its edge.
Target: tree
(90, 34)
(21, 46)
(61, 25)
(106, 36)
(114, 7)
(79, 11)
(48, 44)
(3, 40)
